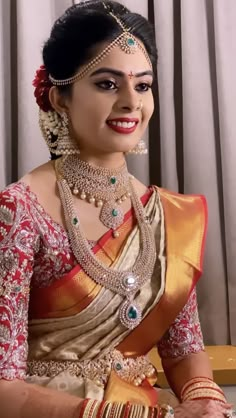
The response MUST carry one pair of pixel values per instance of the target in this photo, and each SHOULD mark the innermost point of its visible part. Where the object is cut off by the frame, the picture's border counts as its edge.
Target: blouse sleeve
(184, 335)
(18, 243)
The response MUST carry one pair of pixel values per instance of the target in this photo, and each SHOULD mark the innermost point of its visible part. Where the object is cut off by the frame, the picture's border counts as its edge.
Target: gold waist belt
(98, 370)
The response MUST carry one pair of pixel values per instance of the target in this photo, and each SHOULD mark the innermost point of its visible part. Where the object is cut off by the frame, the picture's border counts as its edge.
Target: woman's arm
(22, 400)
(182, 348)
(188, 369)
(181, 369)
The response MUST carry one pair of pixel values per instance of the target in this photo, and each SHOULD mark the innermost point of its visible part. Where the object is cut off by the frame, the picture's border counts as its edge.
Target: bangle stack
(91, 408)
(202, 388)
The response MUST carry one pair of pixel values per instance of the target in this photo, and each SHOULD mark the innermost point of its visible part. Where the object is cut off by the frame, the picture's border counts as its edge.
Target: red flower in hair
(42, 86)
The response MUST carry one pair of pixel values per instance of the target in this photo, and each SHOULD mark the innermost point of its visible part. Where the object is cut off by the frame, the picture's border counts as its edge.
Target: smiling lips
(123, 125)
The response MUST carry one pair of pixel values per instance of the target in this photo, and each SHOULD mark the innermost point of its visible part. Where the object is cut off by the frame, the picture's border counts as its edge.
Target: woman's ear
(57, 100)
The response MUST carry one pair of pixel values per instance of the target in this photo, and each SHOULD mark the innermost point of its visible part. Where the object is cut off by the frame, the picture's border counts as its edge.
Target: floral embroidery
(34, 251)
(184, 336)
(6, 215)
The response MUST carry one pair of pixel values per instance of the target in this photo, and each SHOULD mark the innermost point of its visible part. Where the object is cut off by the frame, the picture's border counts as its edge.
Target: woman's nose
(129, 101)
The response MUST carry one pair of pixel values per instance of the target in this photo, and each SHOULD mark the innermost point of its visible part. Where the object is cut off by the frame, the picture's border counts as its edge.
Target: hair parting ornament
(125, 41)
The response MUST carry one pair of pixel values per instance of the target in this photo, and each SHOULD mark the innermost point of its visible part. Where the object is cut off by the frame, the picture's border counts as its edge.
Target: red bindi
(131, 75)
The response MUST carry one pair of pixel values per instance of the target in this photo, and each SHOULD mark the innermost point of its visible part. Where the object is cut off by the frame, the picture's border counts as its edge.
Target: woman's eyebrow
(119, 73)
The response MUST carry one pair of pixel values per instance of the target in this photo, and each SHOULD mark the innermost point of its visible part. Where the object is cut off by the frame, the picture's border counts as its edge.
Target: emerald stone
(118, 366)
(17, 288)
(114, 212)
(132, 313)
(75, 221)
(113, 180)
(130, 42)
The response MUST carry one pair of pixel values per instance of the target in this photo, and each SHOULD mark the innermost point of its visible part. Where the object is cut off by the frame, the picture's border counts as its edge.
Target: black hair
(82, 27)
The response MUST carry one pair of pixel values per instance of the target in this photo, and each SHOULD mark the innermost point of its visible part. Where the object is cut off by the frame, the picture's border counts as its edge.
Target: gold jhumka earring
(139, 149)
(66, 146)
(55, 130)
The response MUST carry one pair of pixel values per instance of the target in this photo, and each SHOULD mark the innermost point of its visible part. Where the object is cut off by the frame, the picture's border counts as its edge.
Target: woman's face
(110, 107)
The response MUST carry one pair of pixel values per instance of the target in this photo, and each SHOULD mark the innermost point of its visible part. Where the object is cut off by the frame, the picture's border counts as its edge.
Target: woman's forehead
(126, 63)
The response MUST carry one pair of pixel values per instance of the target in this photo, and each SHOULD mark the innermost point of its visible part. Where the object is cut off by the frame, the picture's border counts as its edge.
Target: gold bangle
(108, 410)
(89, 408)
(196, 380)
(119, 409)
(96, 409)
(145, 412)
(204, 386)
(204, 394)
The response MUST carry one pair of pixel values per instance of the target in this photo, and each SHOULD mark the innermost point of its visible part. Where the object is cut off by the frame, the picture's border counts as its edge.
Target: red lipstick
(123, 125)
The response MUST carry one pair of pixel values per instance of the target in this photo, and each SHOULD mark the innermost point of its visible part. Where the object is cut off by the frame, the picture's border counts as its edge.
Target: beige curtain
(191, 136)
(197, 91)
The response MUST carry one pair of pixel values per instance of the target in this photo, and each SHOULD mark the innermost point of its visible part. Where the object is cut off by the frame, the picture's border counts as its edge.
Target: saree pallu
(76, 341)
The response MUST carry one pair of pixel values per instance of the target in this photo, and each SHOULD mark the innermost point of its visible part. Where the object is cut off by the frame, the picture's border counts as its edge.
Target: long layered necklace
(125, 283)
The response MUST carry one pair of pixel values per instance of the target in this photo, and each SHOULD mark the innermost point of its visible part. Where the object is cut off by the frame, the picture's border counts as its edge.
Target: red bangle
(100, 409)
(127, 409)
(92, 408)
(83, 406)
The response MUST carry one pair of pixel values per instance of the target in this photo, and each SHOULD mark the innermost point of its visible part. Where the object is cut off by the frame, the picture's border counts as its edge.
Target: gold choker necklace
(125, 283)
(103, 187)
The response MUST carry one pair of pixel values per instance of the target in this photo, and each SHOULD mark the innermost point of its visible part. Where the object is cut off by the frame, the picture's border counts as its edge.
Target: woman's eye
(142, 87)
(107, 85)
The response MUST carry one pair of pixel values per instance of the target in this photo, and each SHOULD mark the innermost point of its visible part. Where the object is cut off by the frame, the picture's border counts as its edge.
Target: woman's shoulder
(40, 177)
(22, 194)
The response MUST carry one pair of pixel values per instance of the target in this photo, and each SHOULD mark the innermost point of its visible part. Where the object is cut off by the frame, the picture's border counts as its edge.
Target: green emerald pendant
(132, 313)
(114, 212)
(113, 180)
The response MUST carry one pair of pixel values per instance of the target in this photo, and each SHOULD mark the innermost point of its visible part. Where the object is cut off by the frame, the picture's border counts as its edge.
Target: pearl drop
(116, 234)
(92, 200)
(75, 191)
(124, 198)
(99, 203)
(83, 196)
(150, 372)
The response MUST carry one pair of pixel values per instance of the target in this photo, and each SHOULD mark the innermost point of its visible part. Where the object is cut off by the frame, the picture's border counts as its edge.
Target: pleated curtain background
(192, 136)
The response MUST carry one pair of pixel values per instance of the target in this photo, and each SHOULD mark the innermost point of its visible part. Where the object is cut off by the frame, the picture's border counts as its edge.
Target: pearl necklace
(125, 283)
